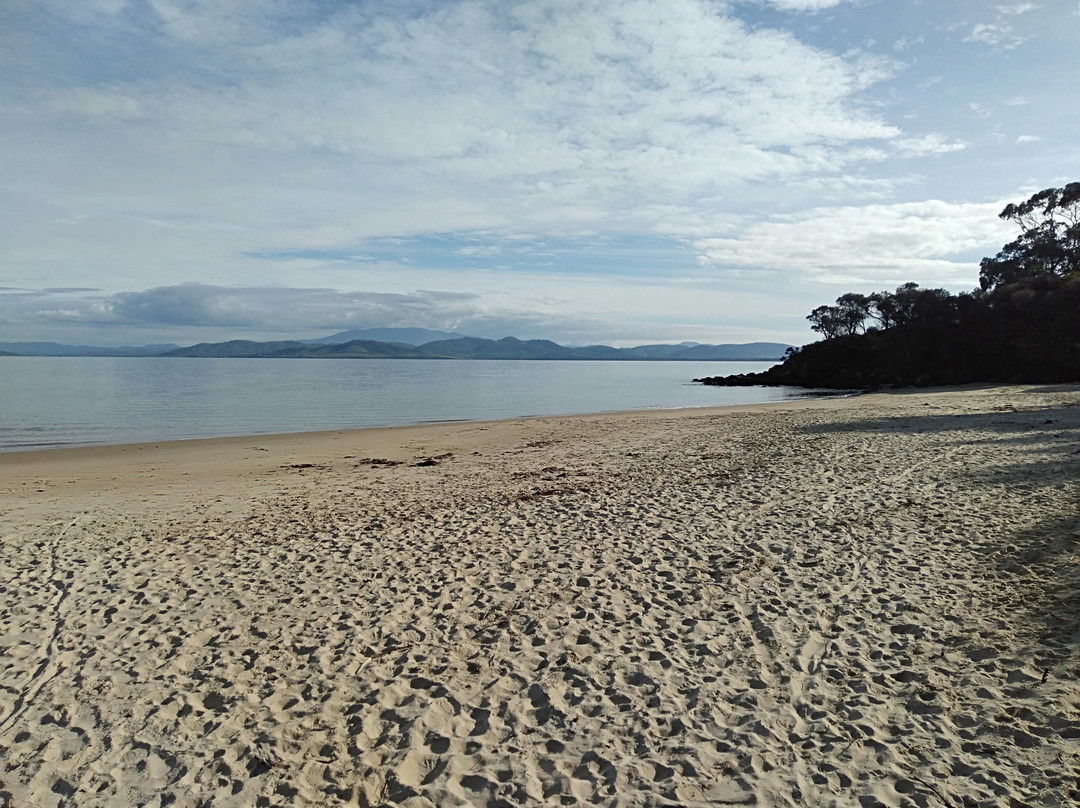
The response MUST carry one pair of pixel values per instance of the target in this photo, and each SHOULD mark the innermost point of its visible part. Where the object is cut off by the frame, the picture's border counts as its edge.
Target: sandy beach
(851, 602)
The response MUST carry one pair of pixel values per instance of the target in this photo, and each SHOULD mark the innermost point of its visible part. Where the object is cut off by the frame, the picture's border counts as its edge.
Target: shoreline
(796, 400)
(866, 600)
(197, 465)
(700, 408)
(316, 433)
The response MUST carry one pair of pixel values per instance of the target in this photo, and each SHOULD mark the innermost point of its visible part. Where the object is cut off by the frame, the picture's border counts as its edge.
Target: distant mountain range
(357, 349)
(410, 336)
(414, 343)
(476, 348)
(57, 349)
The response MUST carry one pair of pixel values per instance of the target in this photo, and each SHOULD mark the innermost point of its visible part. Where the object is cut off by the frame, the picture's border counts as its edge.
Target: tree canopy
(1049, 240)
(856, 314)
(1021, 325)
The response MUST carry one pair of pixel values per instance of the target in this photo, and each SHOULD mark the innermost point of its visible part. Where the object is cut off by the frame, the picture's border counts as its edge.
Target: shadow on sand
(1034, 572)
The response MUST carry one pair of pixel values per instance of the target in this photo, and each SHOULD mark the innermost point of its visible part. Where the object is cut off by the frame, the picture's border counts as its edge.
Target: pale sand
(850, 602)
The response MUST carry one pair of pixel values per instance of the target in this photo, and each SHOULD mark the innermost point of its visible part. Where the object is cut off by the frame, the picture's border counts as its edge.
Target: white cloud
(1016, 9)
(933, 243)
(479, 251)
(905, 43)
(926, 145)
(999, 35)
(805, 5)
(1001, 32)
(1028, 139)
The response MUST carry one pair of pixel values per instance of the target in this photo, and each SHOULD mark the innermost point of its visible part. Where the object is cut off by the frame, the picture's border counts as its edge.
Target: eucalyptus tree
(1049, 240)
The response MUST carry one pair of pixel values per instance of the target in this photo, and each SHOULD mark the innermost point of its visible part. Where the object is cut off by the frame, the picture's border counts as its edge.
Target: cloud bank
(520, 116)
(926, 242)
(594, 164)
(220, 313)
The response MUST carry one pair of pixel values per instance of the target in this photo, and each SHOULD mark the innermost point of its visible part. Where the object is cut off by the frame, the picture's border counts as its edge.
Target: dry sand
(850, 602)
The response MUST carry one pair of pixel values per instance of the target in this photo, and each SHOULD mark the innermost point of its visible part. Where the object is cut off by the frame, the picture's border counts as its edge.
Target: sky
(588, 171)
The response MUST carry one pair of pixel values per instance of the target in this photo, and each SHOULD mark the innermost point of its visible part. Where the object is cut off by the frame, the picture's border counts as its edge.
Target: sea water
(69, 401)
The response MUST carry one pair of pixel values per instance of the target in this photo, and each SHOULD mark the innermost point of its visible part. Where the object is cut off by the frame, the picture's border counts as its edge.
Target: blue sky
(619, 171)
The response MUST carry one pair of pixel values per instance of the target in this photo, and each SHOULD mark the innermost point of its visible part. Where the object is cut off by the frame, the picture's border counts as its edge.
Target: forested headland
(1021, 325)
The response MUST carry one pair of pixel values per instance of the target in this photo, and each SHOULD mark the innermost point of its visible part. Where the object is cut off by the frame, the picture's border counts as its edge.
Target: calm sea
(68, 401)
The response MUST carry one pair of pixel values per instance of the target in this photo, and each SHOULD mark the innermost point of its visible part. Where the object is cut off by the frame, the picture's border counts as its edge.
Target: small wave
(51, 444)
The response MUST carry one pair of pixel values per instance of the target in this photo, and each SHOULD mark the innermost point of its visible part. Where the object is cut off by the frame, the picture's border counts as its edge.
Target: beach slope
(855, 602)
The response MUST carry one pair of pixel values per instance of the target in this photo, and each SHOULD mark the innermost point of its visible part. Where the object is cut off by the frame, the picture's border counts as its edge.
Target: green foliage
(1049, 241)
(847, 317)
(888, 310)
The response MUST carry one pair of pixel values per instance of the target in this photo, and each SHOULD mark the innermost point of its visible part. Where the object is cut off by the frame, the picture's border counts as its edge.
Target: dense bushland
(1021, 325)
